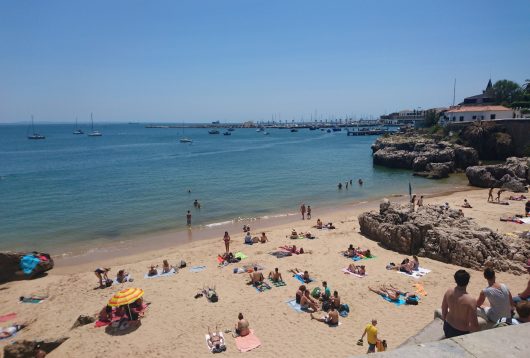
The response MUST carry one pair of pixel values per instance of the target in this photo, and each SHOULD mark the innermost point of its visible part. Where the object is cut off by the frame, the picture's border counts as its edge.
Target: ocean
(74, 190)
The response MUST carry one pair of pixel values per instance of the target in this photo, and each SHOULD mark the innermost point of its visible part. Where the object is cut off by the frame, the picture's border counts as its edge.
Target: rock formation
(26, 349)
(443, 235)
(513, 175)
(426, 156)
(10, 266)
(83, 320)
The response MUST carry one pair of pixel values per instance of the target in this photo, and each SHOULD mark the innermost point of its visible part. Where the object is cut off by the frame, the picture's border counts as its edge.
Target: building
(405, 117)
(477, 113)
(487, 97)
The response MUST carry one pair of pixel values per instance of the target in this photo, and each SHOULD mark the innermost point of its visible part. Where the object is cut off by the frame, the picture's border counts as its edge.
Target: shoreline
(156, 243)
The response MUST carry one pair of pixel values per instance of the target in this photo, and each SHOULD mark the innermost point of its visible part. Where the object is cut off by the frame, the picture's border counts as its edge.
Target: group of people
(357, 252)
(416, 202)
(306, 212)
(460, 310)
(249, 240)
(297, 235)
(319, 225)
(166, 268)
(349, 183)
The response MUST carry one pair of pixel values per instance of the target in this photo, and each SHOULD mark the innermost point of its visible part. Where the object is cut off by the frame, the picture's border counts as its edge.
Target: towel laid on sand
(8, 317)
(240, 255)
(207, 338)
(299, 278)
(277, 283)
(247, 343)
(261, 286)
(416, 274)
(345, 270)
(197, 268)
(399, 302)
(160, 274)
(295, 306)
(126, 279)
(359, 258)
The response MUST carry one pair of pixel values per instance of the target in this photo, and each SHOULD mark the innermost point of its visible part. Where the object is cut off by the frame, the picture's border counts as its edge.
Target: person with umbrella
(132, 299)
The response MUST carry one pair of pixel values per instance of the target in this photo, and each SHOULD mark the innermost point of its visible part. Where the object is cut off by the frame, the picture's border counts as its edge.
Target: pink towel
(8, 317)
(247, 343)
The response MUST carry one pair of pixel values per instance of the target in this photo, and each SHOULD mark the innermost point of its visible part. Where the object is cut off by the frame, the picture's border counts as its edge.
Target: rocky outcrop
(83, 320)
(426, 156)
(513, 175)
(443, 235)
(10, 266)
(27, 349)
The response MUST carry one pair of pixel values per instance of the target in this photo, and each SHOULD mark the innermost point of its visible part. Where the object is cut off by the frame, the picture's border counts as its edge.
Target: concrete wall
(479, 115)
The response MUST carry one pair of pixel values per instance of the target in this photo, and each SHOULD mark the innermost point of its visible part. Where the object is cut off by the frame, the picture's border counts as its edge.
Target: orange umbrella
(125, 297)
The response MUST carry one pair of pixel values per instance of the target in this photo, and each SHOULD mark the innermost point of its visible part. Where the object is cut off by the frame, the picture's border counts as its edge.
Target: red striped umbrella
(125, 297)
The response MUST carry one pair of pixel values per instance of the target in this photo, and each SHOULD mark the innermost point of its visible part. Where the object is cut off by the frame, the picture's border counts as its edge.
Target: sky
(238, 60)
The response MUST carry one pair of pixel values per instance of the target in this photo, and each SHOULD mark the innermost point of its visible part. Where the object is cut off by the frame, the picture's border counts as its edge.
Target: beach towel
(400, 301)
(299, 278)
(8, 317)
(526, 220)
(247, 343)
(197, 268)
(513, 219)
(416, 274)
(359, 258)
(261, 286)
(160, 274)
(281, 254)
(33, 301)
(277, 283)
(240, 255)
(295, 306)
(345, 270)
(207, 338)
(28, 264)
(420, 290)
(12, 335)
(126, 279)
(499, 202)
(115, 318)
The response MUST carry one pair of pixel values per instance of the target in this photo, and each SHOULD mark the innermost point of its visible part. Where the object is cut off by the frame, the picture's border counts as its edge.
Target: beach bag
(344, 307)
(212, 296)
(182, 264)
(316, 292)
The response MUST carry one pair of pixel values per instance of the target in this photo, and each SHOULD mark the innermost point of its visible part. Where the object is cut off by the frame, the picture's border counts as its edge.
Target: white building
(477, 113)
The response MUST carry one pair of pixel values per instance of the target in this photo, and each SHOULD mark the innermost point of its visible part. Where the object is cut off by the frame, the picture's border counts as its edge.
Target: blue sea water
(133, 180)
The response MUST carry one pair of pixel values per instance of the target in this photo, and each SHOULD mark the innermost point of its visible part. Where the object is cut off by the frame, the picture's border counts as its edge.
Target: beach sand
(176, 322)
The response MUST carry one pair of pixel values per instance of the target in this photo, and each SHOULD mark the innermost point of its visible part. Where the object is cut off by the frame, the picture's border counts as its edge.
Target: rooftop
(462, 109)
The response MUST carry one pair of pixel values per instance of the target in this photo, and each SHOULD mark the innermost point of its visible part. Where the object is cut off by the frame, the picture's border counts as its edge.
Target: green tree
(431, 118)
(506, 91)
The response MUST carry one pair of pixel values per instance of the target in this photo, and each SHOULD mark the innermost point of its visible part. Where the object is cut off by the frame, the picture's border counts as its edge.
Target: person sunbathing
(105, 315)
(406, 266)
(319, 224)
(415, 263)
(358, 270)
(390, 294)
(122, 276)
(215, 341)
(306, 302)
(242, 327)
(350, 252)
(166, 267)
(332, 318)
(11, 330)
(32, 298)
(152, 271)
(256, 277)
(275, 276)
(263, 239)
(305, 275)
(294, 234)
(329, 226)
(466, 204)
(517, 198)
(307, 235)
(248, 238)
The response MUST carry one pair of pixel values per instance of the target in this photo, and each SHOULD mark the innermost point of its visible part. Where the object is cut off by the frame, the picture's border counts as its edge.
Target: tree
(526, 86)
(431, 118)
(506, 91)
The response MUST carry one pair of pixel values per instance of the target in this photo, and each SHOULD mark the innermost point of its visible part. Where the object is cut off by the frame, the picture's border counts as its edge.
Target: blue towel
(299, 278)
(28, 264)
(399, 302)
(295, 306)
(160, 274)
(197, 268)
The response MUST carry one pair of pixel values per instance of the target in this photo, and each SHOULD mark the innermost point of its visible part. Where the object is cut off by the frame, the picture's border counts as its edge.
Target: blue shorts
(371, 348)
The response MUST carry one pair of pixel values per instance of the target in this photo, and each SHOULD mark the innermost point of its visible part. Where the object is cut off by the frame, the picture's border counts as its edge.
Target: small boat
(259, 129)
(294, 130)
(266, 133)
(184, 139)
(227, 133)
(329, 131)
(213, 131)
(231, 129)
(35, 135)
(337, 129)
(93, 133)
(77, 130)
(312, 128)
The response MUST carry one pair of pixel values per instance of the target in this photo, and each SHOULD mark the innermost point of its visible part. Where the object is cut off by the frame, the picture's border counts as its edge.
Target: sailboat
(77, 130)
(93, 133)
(35, 135)
(184, 139)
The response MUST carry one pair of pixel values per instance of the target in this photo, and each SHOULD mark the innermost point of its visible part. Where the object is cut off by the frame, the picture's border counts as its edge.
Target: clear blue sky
(245, 60)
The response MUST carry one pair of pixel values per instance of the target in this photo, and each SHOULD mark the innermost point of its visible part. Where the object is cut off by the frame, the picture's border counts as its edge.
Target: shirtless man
(242, 325)
(216, 342)
(335, 299)
(459, 309)
(256, 277)
(499, 194)
(306, 302)
(263, 239)
(490, 194)
(276, 276)
(319, 224)
(302, 211)
(332, 318)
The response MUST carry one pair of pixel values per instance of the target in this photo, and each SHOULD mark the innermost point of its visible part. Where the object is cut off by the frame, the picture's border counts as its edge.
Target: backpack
(316, 292)
(344, 307)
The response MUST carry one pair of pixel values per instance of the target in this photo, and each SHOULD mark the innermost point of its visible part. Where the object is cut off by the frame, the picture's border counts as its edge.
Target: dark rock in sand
(512, 175)
(10, 267)
(26, 349)
(443, 235)
(83, 320)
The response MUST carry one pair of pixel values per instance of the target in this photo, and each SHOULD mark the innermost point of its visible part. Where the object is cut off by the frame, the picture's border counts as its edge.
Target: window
(461, 118)
(454, 118)
(492, 116)
(474, 117)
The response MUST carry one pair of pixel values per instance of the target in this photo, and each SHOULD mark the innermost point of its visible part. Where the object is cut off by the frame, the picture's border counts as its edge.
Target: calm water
(72, 189)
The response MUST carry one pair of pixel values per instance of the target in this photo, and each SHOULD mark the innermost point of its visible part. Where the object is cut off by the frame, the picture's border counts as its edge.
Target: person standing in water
(308, 212)
(339, 186)
(188, 219)
(360, 182)
(302, 210)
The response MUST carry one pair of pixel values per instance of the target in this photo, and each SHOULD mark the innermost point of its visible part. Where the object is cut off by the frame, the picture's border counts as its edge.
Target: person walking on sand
(309, 212)
(302, 210)
(499, 195)
(490, 194)
(371, 332)
(188, 219)
(226, 239)
(459, 308)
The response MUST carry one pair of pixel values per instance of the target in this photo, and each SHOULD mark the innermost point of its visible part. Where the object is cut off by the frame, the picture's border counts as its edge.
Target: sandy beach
(175, 323)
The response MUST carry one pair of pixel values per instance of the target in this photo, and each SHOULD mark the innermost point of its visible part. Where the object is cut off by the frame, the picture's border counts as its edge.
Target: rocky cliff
(426, 156)
(513, 175)
(443, 235)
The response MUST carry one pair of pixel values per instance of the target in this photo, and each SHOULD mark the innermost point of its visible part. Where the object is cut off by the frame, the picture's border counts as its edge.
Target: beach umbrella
(126, 297)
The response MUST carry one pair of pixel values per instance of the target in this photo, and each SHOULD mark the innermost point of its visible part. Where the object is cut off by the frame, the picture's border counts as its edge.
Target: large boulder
(10, 266)
(27, 349)
(443, 235)
(511, 175)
